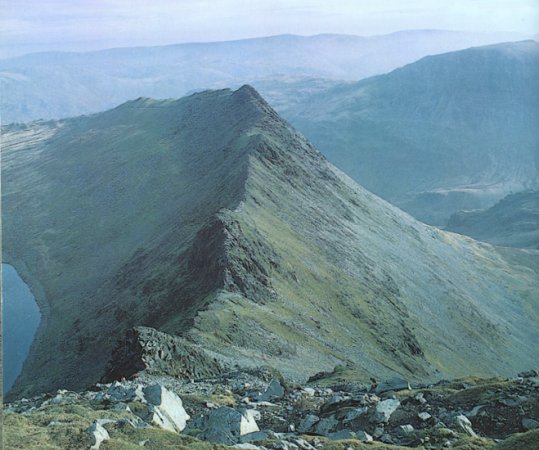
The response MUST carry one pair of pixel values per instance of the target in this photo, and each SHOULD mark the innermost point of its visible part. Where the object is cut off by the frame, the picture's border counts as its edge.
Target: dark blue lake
(20, 319)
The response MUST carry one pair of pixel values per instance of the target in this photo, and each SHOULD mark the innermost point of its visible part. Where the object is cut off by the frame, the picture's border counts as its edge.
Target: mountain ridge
(212, 219)
(55, 85)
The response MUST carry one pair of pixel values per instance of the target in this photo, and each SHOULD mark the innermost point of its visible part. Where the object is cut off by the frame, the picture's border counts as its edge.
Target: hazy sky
(30, 25)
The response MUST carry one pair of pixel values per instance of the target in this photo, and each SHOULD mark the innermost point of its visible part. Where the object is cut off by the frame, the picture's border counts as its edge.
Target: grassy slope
(359, 281)
(210, 217)
(449, 132)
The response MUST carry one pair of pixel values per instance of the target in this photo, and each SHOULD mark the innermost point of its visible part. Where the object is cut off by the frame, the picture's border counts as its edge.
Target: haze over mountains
(209, 217)
(449, 132)
(512, 222)
(55, 84)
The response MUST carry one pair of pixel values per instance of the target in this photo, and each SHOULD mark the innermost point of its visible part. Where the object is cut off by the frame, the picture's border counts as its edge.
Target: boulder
(363, 436)
(355, 413)
(255, 436)
(274, 391)
(225, 425)
(384, 410)
(326, 425)
(309, 391)
(342, 434)
(165, 409)
(307, 423)
(119, 392)
(529, 424)
(392, 384)
(464, 425)
(98, 434)
(406, 429)
(424, 416)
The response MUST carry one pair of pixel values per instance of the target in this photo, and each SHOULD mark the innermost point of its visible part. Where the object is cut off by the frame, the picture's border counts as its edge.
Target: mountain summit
(210, 218)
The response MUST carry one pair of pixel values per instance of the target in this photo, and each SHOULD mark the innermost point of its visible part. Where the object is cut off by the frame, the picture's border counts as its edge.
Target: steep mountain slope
(54, 85)
(450, 132)
(209, 217)
(512, 222)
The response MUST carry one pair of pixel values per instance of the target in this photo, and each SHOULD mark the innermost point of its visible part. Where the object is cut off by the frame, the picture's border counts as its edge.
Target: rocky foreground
(257, 409)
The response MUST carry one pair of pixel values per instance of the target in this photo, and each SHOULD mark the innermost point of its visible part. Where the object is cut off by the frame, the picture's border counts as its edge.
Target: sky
(40, 25)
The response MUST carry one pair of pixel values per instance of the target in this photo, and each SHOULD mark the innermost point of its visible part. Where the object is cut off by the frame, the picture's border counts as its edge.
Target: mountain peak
(216, 221)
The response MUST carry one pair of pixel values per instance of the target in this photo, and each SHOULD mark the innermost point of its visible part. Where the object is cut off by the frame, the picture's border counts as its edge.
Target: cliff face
(211, 218)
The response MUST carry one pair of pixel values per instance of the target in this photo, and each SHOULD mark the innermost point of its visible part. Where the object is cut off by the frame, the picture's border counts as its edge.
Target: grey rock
(255, 436)
(326, 425)
(303, 444)
(355, 413)
(54, 423)
(474, 411)
(392, 384)
(424, 416)
(119, 392)
(363, 436)
(120, 407)
(406, 429)
(530, 424)
(165, 409)
(285, 445)
(384, 410)
(98, 434)
(464, 425)
(307, 423)
(341, 434)
(226, 425)
(309, 391)
(274, 391)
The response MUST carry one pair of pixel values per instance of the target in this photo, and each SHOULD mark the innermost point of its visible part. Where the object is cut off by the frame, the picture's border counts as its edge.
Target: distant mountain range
(512, 222)
(209, 217)
(450, 132)
(55, 84)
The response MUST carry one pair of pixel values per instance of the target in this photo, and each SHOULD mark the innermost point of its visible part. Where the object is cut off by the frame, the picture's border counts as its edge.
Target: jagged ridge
(228, 228)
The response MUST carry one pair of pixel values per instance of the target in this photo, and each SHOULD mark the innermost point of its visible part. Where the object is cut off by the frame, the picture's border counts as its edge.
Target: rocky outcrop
(147, 350)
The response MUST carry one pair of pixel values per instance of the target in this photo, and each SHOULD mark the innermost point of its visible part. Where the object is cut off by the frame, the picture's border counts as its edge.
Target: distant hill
(56, 84)
(512, 222)
(450, 132)
(209, 217)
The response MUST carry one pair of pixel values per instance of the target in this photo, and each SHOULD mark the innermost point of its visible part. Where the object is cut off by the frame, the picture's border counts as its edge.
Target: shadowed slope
(211, 218)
